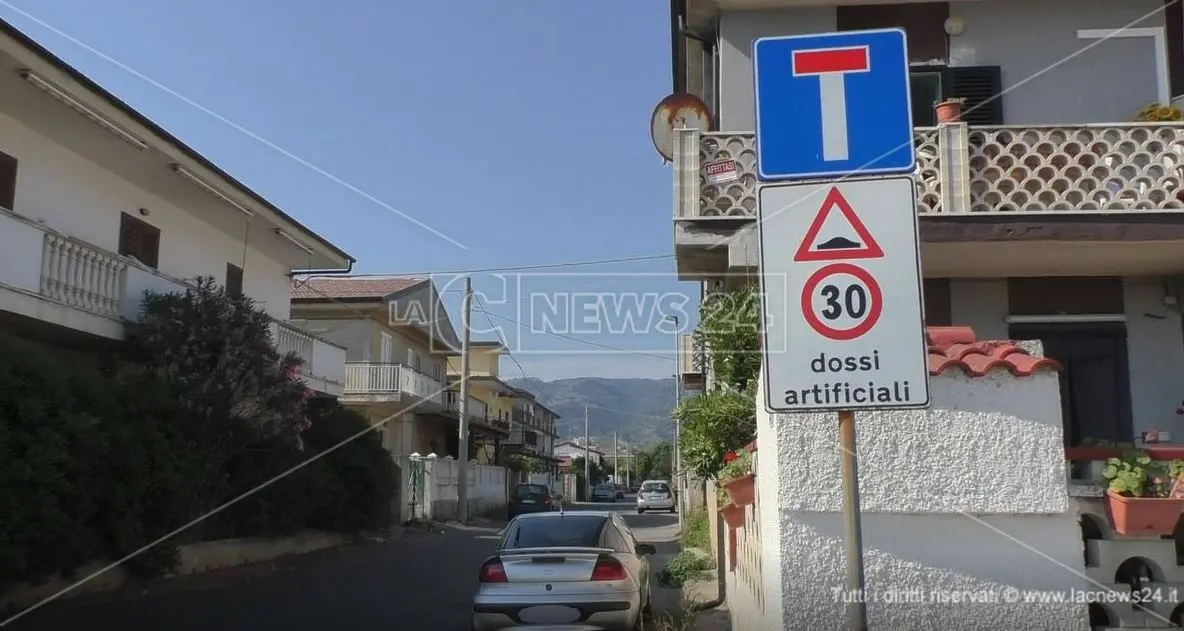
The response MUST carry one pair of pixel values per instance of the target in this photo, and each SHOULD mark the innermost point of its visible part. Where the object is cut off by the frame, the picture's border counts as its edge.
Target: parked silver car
(604, 493)
(579, 571)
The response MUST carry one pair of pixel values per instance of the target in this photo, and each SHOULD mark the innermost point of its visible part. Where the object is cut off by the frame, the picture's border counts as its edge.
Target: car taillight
(493, 572)
(608, 569)
(547, 502)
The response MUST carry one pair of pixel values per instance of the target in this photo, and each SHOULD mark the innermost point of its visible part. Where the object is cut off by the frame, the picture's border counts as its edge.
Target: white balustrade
(372, 378)
(81, 276)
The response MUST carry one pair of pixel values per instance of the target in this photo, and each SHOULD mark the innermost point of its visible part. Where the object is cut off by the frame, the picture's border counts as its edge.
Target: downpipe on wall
(721, 567)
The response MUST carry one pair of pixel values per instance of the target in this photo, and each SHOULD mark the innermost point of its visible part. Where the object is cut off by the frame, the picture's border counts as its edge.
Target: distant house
(573, 448)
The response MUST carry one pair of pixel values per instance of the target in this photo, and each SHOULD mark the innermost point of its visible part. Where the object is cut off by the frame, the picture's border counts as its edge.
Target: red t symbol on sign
(831, 65)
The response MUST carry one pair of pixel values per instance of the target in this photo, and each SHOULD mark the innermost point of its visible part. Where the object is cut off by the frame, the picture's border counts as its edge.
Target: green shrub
(685, 566)
(696, 531)
(196, 409)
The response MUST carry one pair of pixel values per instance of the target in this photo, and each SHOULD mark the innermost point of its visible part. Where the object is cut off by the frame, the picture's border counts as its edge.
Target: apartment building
(399, 341)
(98, 204)
(494, 398)
(1045, 213)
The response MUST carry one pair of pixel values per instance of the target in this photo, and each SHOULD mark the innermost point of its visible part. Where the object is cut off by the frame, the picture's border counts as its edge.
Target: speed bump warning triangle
(837, 247)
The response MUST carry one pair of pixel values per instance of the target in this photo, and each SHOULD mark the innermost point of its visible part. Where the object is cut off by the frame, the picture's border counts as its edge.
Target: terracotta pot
(1090, 454)
(948, 111)
(1142, 515)
(733, 516)
(742, 490)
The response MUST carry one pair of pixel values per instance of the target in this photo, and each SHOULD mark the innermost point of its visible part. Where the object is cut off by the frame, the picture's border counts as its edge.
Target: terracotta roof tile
(346, 287)
(955, 347)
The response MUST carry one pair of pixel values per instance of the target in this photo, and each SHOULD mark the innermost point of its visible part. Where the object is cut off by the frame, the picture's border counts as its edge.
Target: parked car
(529, 498)
(561, 570)
(655, 495)
(604, 493)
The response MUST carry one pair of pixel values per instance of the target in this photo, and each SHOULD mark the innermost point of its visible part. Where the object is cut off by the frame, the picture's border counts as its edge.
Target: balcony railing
(1119, 167)
(324, 361)
(369, 378)
(476, 409)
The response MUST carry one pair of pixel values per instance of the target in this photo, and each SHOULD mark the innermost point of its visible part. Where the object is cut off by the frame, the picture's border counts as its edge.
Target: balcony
(324, 361)
(370, 382)
(52, 277)
(968, 174)
(477, 410)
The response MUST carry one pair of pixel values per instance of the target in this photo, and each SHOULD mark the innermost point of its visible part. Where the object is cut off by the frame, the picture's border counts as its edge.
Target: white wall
(1023, 37)
(81, 199)
(967, 496)
(1155, 343)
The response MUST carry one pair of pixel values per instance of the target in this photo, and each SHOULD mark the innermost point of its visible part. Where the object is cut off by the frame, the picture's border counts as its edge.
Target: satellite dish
(677, 111)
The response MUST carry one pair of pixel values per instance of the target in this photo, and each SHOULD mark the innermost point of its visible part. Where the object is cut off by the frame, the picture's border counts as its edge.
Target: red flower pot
(733, 516)
(742, 490)
(948, 111)
(1142, 515)
(1091, 454)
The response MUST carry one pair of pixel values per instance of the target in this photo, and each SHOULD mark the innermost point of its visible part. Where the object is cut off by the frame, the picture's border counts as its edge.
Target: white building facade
(98, 204)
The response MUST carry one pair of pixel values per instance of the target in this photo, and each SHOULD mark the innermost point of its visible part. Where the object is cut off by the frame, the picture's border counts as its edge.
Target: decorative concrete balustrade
(1154, 564)
(1119, 167)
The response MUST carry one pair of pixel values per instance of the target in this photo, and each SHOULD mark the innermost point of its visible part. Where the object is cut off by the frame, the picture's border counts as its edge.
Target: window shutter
(977, 84)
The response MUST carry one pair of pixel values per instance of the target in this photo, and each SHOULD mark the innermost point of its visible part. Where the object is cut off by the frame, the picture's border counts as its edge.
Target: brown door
(1095, 386)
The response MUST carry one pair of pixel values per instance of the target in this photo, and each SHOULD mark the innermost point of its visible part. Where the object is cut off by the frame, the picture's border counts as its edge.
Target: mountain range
(637, 410)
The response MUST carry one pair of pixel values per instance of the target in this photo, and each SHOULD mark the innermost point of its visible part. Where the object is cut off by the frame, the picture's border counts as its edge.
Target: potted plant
(1091, 454)
(737, 479)
(733, 515)
(949, 110)
(1139, 498)
(1156, 113)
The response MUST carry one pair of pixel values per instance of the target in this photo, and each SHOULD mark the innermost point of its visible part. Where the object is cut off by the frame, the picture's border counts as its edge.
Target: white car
(655, 495)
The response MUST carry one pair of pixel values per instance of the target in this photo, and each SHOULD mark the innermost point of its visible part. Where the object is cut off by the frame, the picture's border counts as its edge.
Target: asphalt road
(421, 580)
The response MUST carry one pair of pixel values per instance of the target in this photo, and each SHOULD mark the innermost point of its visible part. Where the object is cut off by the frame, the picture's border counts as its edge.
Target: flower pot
(948, 111)
(1142, 515)
(1091, 454)
(733, 516)
(742, 490)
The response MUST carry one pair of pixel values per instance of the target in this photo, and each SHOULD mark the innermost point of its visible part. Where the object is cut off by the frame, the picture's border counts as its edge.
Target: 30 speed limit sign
(840, 270)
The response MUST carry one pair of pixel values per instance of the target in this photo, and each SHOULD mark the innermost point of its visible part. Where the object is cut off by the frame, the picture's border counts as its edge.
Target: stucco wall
(1024, 38)
(81, 199)
(967, 496)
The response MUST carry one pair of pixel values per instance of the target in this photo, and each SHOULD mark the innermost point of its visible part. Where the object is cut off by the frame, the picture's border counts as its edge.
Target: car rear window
(655, 487)
(525, 491)
(568, 531)
(604, 487)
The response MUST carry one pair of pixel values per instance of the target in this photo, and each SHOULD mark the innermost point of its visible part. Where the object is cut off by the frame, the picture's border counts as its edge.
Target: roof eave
(332, 251)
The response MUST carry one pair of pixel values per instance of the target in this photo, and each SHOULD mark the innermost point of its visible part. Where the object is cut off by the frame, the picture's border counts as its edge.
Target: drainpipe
(721, 567)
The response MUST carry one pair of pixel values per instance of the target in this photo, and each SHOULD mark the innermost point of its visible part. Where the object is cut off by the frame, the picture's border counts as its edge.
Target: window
(436, 371)
(616, 541)
(139, 240)
(981, 86)
(410, 358)
(570, 530)
(530, 491)
(234, 279)
(923, 23)
(7, 181)
(385, 347)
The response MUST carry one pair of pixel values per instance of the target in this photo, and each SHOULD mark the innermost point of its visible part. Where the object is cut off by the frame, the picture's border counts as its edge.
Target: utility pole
(616, 461)
(587, 481)
(462, 462)
(676, 452)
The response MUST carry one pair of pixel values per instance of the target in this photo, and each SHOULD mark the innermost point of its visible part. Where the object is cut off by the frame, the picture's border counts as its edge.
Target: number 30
(854, 303)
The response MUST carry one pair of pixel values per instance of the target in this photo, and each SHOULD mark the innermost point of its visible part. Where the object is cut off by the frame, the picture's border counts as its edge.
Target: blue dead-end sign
(833, 104)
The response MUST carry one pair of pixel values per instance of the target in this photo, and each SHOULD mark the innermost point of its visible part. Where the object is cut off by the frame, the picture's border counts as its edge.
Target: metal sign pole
(852, 527)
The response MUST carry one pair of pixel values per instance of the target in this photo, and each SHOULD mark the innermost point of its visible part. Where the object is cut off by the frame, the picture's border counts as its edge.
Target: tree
(654, 462)
(713, 424)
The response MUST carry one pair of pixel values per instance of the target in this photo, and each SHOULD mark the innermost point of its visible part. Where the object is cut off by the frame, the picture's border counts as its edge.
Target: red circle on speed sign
(868, 312)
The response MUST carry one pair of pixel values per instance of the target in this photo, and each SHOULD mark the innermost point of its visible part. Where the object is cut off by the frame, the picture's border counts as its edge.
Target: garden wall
(194, 559)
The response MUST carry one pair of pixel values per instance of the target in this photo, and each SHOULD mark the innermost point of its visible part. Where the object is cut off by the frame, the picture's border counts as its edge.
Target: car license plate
(528, 501)
(549, 614)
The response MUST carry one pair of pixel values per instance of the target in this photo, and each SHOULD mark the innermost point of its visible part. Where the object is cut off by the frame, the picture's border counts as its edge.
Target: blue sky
(519, 129)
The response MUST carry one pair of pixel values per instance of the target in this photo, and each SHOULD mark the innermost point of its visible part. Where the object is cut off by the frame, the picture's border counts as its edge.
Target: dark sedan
(530, 498)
